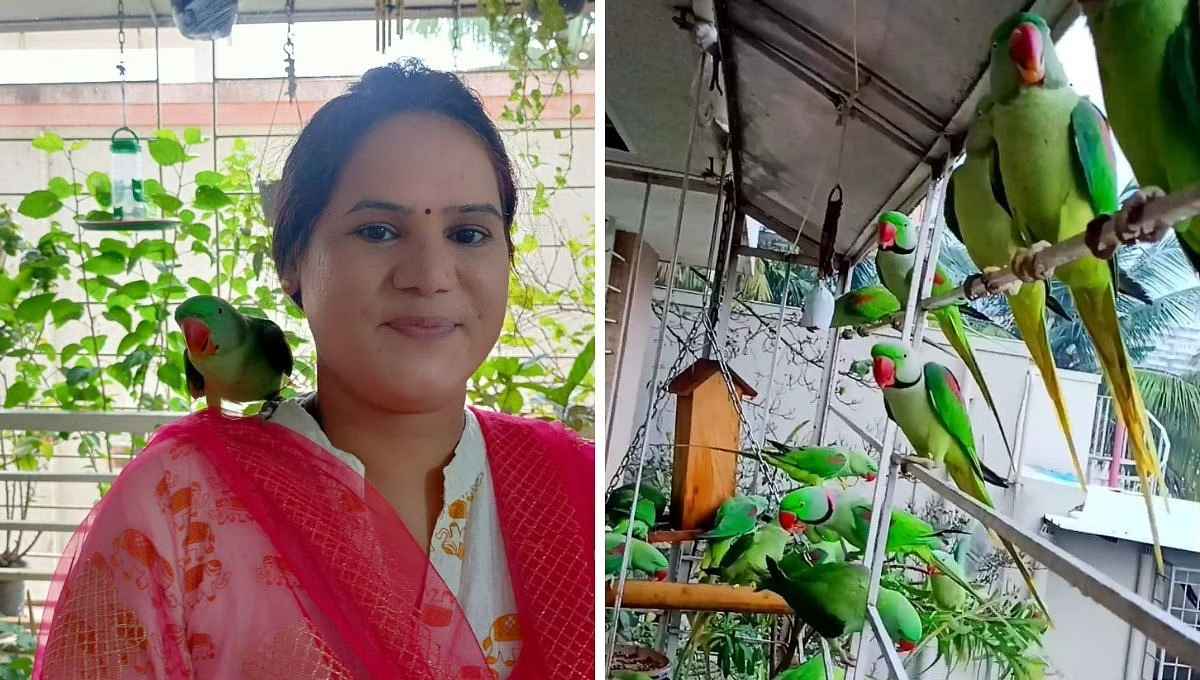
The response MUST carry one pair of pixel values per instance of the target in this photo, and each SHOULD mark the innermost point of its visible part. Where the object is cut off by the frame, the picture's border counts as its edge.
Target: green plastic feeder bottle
(128, 200)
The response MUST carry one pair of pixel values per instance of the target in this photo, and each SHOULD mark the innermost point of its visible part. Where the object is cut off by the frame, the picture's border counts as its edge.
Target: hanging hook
(121, 60)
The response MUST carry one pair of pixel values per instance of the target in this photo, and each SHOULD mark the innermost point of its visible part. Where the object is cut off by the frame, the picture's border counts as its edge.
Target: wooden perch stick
(661, 595)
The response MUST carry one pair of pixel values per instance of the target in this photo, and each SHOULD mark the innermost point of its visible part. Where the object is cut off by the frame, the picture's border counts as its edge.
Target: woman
(377, 528)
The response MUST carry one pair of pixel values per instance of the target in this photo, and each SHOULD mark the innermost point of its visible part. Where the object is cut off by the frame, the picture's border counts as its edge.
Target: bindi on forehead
(428, 211)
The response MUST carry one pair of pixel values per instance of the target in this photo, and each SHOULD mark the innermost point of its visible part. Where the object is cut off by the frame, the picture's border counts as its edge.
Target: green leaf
(193, 136)
(172, 375)
(121, 316)
(209, 178)
(39, 204)
(166, 133)
(153, 249)
(511, 401)
(8, 289)
(78, 374)
(210, 199)
(48, 142)
(69, 352)
(136, 290)
(78, 145)
(106, 264)
(18, 393)
(152, 187)
(167, 202)
(99, 216)
(128, 342)
(200, 285)
(198, 231)
(64, 310)
(33, 309)
(94, 344)
(167, 152)
(61, 187)
(100, 187)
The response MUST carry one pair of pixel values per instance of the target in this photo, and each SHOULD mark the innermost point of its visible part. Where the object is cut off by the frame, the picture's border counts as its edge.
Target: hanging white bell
(818, 309)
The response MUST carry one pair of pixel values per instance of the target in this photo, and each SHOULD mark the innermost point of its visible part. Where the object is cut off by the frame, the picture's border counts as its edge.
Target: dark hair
(327, 142)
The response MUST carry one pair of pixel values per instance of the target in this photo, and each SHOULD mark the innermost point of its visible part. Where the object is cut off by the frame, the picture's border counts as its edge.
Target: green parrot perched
(946, 591)
(651, 504)
(895, 262)
(864, 307)
(926, 402)
(1148, 52)
(736, 517)
(1058, 170)
(745, 561)
(981, 220)
(643, 557)
(805, 507)
(825, 552)
(900, 618)
(813, 669)
(832, 598)
(231, 356)
(813, 465)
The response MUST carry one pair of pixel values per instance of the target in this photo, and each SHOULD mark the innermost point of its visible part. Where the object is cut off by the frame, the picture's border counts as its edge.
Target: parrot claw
(1011, 289)
(1129, 224)
(1026, 266)
(926, 463)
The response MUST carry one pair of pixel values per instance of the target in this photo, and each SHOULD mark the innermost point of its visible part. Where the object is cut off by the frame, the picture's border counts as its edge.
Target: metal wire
(121, 64)
(662, 329)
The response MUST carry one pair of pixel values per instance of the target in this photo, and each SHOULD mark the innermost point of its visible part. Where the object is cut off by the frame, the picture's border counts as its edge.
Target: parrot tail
(1098, 310)
(1027, 575)
(1029, 312)
(929, 558)
(951, 323)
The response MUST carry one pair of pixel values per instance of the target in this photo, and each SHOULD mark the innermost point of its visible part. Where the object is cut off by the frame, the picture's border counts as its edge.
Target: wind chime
(130, 209)
(385, 11)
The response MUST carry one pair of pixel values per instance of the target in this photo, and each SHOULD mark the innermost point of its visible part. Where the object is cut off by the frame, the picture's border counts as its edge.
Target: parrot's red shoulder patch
(953, 382)
(938, 279)
(838, 459)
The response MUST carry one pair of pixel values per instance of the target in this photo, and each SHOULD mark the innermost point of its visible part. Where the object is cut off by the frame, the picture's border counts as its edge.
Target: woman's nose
(426, 268)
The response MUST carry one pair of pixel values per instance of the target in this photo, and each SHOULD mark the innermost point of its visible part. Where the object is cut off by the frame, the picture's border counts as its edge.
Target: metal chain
(121, 63)
(289, 52)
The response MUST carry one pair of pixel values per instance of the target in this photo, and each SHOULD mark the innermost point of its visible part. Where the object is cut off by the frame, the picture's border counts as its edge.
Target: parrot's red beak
(197, 335)
(907, 646)
(661, 576)
(887, 235)
(787, 520)
(885, 372)
(870, 477)
(1027, 52)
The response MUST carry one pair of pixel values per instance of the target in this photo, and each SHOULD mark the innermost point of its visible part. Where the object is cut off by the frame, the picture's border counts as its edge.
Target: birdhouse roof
(695, 375)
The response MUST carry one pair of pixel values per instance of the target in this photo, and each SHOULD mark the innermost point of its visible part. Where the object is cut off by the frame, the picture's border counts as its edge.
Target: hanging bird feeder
(130, 211)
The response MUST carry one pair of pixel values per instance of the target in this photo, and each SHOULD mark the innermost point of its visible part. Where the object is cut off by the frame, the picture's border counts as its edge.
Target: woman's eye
(376, 232)
(470, 236)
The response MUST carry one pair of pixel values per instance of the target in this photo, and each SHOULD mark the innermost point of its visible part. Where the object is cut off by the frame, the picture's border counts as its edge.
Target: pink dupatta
(234, 547)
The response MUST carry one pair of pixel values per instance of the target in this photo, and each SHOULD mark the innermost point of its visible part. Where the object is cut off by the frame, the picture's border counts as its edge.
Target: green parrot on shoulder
(231, 356)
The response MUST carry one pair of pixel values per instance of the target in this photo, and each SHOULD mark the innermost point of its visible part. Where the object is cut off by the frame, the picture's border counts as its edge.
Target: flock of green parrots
(1039, 167)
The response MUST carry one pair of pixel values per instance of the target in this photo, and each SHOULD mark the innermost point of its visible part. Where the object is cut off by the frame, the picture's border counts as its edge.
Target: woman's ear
(292, 287)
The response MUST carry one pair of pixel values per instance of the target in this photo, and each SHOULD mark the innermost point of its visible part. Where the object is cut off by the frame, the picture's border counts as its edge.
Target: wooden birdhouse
(705, 416)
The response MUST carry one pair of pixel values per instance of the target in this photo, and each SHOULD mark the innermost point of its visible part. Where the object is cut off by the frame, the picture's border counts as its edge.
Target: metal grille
(1100, 456)
(1179, 593)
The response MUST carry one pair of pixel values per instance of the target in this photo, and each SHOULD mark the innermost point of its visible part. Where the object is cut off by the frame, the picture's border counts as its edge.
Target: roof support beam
(659, 177)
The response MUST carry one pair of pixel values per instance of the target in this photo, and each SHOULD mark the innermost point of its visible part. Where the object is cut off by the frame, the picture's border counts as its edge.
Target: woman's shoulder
(495, 423)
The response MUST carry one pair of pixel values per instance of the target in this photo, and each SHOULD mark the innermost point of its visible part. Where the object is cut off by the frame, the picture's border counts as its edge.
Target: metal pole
(828, 371)
(724, 220)
(662, 331)
(1167, 631)
(874, 554)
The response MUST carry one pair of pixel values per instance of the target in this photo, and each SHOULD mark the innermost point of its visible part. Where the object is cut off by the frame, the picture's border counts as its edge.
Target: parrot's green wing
(275, 345)
(739, 547)
(195, 380)
(945, 398)
(1182, 66)
(1095, 158)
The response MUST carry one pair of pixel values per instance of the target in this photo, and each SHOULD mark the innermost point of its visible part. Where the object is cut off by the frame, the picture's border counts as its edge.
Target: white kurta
(467, 548)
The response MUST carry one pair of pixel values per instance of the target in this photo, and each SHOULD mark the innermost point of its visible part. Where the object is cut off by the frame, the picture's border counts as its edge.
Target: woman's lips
(422, 326)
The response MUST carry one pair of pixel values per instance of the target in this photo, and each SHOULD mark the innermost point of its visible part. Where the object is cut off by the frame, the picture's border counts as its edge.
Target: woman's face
(405, 279)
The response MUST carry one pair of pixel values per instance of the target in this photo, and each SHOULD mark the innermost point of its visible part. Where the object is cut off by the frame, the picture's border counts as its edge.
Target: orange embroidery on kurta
(502, 643)
(136, 556)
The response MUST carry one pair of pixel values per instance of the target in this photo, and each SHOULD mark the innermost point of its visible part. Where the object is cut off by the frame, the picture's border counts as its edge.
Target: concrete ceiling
(921, 63)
